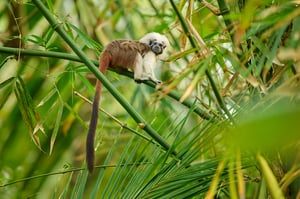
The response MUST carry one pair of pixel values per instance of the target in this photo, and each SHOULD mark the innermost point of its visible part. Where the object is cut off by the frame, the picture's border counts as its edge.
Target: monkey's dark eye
(162, 45)
(152, 42)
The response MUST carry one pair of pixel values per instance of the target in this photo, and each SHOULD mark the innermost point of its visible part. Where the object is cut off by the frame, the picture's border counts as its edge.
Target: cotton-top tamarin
(139, 56)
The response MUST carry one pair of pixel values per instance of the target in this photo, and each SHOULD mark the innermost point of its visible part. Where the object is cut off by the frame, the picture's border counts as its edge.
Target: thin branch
(71, 57)
(68, 171)
(123, 125)
(212, 8)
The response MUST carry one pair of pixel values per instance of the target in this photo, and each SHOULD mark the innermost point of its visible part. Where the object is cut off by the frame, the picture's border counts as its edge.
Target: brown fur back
(124, 52)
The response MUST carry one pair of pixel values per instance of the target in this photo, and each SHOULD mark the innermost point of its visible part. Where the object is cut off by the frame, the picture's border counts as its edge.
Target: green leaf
(56, 126)
(6, 82)
(88, 41)
(270, 178)
(27, 109)
(5, 60)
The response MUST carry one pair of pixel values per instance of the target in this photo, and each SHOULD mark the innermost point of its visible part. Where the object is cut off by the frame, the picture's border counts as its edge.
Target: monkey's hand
(138, 81)
(144, 80)
(156, 81)
(148, 78)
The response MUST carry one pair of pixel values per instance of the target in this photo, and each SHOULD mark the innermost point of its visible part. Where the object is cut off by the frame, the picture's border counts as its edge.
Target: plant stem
(67, 56)
(219, 97)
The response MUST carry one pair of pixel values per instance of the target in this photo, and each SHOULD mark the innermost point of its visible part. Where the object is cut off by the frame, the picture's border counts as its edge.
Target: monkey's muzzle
(157, 48)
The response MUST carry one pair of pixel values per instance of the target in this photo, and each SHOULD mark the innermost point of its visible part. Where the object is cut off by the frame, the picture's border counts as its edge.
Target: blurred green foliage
(229, 104)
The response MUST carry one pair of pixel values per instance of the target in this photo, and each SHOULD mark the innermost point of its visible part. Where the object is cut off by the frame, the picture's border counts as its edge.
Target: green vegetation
(227, 113)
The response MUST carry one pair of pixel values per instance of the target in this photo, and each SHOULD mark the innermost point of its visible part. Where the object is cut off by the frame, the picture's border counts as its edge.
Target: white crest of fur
(158, 37)
(154, 35)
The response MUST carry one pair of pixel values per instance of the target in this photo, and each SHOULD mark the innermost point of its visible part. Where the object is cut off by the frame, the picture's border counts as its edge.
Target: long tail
(90, 152)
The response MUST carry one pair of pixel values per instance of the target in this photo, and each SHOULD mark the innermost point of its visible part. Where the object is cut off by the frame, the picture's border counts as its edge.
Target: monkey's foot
(138, 81)
(156, 81)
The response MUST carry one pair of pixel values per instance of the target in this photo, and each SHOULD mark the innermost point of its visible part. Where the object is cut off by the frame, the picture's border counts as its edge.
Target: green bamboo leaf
(49, 34)
(216, 179)
(56, 126)
(68, 186)
(36, 40)
(240, 178)
(200, 71)
(270, 178)
(86, 83)
(5, 60)
(27, 109)
(88, 41)
(5, 95)
(80, 183)
(232, 181)
(274, 46)
(101, 175)
(122, 169)
(6, 82)
(50, 5)
(48, 97)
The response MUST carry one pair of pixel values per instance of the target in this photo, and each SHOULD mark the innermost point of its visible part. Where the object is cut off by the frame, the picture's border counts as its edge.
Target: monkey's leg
(152, 74)
(149, 63)
(138, 69)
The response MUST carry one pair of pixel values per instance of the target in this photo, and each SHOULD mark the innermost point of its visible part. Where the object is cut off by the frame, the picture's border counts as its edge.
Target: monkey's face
(157, 46)
(156, 41)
